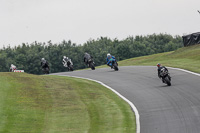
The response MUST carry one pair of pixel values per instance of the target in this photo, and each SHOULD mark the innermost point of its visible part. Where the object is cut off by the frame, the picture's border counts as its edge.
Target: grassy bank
(186, 58)
(50, 104)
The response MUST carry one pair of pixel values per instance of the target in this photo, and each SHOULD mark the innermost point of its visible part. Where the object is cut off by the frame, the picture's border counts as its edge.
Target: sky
(26, 21)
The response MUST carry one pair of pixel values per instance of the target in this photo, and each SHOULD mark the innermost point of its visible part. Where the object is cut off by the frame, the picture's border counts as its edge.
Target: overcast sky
(23, 21)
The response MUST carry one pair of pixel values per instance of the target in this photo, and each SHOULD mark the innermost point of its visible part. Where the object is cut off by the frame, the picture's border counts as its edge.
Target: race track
(162, 109)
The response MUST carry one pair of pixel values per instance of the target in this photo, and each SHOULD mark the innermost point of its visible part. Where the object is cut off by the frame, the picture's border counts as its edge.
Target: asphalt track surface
(162, 108)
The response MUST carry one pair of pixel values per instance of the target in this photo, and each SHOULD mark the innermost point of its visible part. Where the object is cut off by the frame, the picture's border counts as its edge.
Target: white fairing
(65, 62)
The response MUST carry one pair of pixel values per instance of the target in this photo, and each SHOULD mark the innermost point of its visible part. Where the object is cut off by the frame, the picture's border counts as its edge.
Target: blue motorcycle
(113, 64)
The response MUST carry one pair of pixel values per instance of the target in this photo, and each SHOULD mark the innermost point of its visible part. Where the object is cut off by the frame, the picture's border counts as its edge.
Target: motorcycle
(165, 76)
(69, 65)
(13, 69)
(113, 64)
(45, 67)
(91, 64)
(45, 70)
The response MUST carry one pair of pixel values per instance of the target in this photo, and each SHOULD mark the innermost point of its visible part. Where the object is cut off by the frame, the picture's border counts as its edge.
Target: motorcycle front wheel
(71, 68)
(116, 67)
(92, 66)
(167, 81)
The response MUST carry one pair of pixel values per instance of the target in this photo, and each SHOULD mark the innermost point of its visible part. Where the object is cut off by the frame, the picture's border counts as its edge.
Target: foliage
(27, 56)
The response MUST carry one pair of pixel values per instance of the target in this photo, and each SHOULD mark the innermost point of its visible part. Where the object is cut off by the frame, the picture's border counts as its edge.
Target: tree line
(28, 56)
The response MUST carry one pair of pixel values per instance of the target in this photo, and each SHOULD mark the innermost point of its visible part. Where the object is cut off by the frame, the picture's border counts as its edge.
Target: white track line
(137, 116)
(185, 71)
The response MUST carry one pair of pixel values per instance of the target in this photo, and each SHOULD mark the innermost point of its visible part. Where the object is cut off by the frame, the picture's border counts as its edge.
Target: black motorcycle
(45, 70)
(45, 67)
(69, 65)
(91, 64)
(165, 76)
(113, 64)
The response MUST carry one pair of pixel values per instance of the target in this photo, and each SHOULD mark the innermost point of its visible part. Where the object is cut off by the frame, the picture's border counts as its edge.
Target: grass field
(53, 104)
(186, 58)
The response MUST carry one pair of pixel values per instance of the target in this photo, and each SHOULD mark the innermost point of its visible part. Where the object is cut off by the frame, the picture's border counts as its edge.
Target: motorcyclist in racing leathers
(12, 68)
(65, 60)
(86, 58)
(109, 56)
(159, 70)
(44, 64)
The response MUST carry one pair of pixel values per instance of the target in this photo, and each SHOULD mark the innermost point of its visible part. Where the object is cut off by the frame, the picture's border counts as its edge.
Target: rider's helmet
(64, 57)
(108, 54)
(42, 59)
(158, 65)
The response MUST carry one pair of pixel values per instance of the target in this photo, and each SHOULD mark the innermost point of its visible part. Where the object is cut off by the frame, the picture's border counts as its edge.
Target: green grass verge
(53, 104)
(186, 58)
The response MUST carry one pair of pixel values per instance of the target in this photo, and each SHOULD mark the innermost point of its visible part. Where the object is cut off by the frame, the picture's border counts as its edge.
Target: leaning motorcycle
(13, 69)
(113, 64)
(69, 65)
(165, 76)
(91, 64)
(45, 70)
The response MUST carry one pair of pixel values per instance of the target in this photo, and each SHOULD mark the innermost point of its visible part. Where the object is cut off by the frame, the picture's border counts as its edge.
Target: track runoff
(162, 108)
